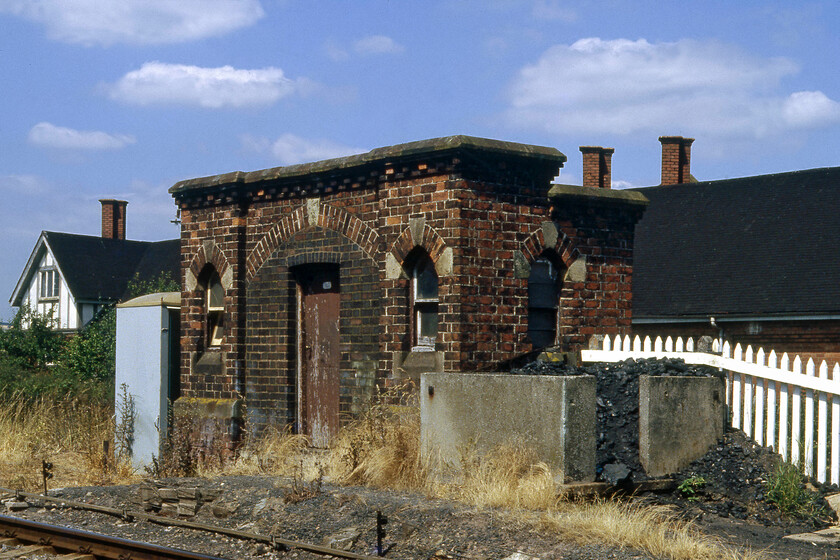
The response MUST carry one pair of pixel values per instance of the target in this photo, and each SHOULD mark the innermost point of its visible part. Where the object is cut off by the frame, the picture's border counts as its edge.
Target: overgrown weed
(786, 488)
(68, 432)
(647, 527)
(382, 447)
(276, 452)
(194, 446)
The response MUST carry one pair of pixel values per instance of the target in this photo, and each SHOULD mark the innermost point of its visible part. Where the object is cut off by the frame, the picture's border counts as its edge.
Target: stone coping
(380, 155)
(596, 196)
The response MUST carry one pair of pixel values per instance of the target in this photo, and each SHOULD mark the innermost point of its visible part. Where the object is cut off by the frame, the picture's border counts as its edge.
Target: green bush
(37, 360)
(90, 355)
(786, 488)
(31, 340)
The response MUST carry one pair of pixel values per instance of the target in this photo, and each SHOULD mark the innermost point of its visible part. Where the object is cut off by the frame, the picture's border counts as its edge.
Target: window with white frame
(215, 310)
(424, 292)
(49, 284)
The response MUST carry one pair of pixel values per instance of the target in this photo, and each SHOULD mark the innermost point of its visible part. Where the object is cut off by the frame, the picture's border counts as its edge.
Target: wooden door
(319, 355)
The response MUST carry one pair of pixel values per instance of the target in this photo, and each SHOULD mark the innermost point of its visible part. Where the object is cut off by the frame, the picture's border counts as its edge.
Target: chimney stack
(676, 159)
(113, 218)
(597, 165)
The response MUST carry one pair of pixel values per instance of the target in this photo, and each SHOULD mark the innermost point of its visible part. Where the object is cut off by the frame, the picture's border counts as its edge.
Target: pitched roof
(753, 246)
(99, 269)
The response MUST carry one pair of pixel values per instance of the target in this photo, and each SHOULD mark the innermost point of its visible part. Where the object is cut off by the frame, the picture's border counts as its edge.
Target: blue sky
(105, 99)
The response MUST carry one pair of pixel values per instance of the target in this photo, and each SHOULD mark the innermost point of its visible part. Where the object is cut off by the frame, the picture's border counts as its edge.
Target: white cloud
(377, 44)
(810, 108)
(335, 52)
(625, 86)
(92, 22)
(23, 184)
(620, 184)
(289, 149)
(553, 10)
(47, 135)
(158, 82)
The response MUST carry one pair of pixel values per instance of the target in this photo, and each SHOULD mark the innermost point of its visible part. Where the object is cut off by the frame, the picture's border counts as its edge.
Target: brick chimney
(676, 159)
(113, 218)
(597, 166)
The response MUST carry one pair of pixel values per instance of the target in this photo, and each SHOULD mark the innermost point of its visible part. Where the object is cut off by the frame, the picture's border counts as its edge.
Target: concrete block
(680, 419)
(553, 415)
(409, 365)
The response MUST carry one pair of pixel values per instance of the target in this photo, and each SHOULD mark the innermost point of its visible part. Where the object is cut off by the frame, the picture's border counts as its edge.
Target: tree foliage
(31, 341)
(36, 358)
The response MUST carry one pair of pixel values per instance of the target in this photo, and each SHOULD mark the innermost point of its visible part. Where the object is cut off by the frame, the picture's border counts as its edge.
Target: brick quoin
(482, 210)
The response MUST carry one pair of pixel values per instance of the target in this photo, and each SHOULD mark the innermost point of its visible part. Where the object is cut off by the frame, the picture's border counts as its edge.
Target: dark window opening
(543, 299)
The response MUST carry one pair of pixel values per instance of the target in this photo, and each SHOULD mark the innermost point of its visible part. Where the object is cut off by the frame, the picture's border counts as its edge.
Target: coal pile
(734, 472)
(617, 392)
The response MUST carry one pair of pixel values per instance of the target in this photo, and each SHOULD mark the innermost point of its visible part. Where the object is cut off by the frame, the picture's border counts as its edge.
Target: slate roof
(754, 246)
(99, 269)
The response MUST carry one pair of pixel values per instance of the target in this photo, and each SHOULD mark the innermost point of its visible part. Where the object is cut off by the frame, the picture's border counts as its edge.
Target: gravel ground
(418, 528)
(730, 505)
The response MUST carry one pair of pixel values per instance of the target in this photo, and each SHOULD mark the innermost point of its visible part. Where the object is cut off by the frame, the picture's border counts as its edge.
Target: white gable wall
(63, 308)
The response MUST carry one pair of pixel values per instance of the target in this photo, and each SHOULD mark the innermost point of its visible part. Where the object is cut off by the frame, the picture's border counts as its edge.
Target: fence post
(822, 428)
(835, 426)
(772, 411)
(736, 391)
(809, 422)
(784, 450)
(796, 443)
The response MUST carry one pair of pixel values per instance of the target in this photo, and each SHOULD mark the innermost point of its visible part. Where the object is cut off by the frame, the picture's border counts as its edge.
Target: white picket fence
(778, 401)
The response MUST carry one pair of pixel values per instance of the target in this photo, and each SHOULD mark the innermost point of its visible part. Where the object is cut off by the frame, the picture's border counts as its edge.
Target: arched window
(215, 302)
(543, 298)
(424, 301)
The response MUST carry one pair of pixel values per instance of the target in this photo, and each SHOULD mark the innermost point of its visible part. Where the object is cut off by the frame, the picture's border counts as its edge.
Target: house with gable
(752, 260)
(71, 277)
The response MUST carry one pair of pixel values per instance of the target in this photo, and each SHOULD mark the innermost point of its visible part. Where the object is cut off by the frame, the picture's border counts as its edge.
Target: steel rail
(95, 544)
(127, 515)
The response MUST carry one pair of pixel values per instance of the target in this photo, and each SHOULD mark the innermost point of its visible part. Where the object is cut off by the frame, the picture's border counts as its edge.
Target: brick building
(306, 286)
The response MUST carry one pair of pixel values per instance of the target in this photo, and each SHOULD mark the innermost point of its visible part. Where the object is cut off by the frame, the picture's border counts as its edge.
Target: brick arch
(210, 253)
(430, 240)
(534, 245)
(329, 217)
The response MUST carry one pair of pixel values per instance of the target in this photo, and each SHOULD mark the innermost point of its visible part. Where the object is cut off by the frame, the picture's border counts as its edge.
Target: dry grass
(651, 528)
(510, 476)
(276, 452)
(68, 433)
(381, 449)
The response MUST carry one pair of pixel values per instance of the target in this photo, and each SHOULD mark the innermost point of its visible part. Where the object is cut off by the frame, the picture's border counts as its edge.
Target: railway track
(25, 538)
(273, 541)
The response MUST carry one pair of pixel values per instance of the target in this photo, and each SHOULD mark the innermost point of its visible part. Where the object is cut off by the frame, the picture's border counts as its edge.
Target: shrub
(90, 355)
(786, 488)
(31, 341)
